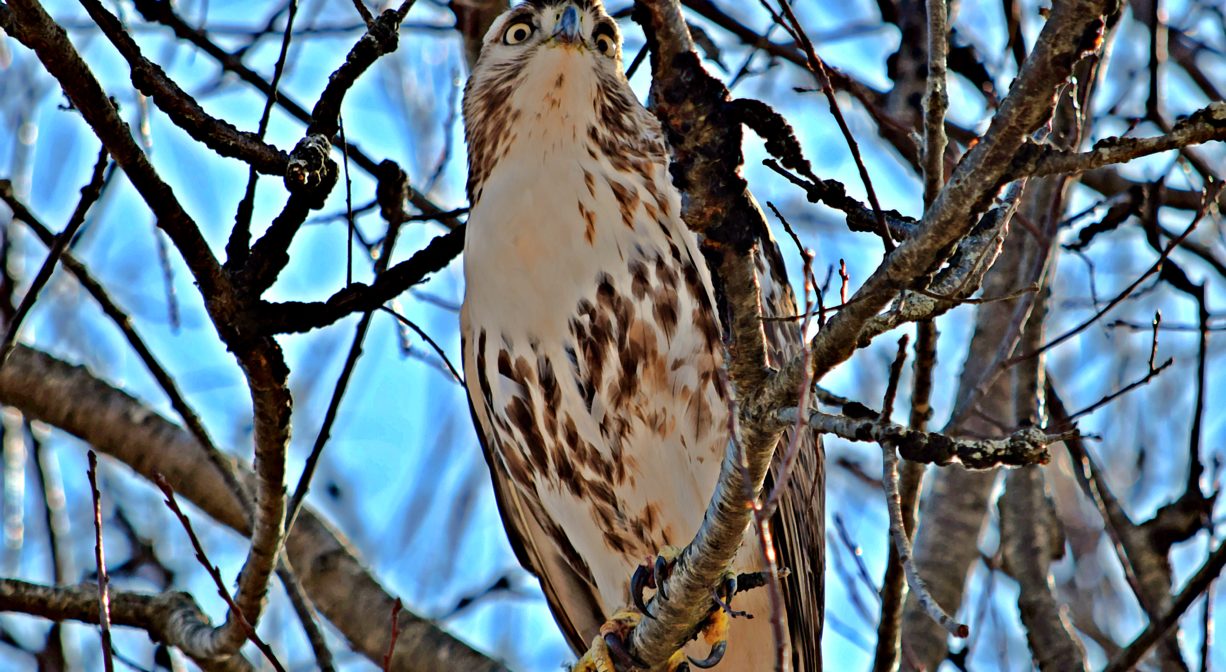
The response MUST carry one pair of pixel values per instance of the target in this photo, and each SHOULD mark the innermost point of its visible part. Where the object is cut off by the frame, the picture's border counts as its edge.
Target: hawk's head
(548, 69)
(580, 27)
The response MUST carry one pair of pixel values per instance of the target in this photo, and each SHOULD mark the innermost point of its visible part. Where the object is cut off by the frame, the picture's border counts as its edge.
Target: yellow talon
(608, 651)
(608, 648)
(714, 632)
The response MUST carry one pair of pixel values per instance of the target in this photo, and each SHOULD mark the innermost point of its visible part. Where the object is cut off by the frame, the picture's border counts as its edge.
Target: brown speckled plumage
(592, 345)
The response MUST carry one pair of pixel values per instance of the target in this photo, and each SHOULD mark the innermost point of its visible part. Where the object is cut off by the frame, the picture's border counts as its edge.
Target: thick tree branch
(173, 618)
(149, 78)
(1030, 539)
(936, 101)
(1073, 29)
(706, 144)
(72, 400)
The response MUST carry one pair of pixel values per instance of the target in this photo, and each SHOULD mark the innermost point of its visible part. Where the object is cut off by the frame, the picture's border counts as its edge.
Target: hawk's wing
(571, 596)
(799, 525)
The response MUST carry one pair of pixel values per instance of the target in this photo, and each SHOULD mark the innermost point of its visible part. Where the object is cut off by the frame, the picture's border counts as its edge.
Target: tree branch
(1030, 539)
(1207, 124)
(1073, 29)
(173, 618)
(149, 78)
(1024, 447)
(295, 317)
(69, 398)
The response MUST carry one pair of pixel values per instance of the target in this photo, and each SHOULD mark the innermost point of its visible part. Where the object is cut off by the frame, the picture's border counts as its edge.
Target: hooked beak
(567, 31)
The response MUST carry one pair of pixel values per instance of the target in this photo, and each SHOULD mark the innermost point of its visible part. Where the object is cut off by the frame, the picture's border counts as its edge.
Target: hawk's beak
(567, 31)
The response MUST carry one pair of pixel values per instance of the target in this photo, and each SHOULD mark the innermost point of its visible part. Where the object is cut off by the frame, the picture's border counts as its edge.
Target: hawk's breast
(592, 349)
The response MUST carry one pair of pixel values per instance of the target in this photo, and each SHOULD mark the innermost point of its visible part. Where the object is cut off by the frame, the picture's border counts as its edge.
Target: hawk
(592, 342)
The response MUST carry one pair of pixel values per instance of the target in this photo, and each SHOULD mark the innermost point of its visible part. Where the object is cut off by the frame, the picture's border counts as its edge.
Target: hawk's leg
(608, 652)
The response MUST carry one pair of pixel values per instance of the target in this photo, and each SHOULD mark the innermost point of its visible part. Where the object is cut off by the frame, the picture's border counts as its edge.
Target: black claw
(716, 655)
(660, 573)
(723, 598)
(621, 656)
(638, 582)
(683, 667)
(728, 588)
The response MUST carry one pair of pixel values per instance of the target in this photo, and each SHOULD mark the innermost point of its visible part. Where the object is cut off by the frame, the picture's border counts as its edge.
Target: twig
(911, 474)
(1149, 375)
(123, 322)
(168, 277)
(350, 225)
(240, 236)
(1119, 298)
(392, 185)
(89, 195)
(395, 634)
(438, 349)
(898, 535)
(818, 68)
(306, 614)
(55, 517)
(364, 12)
(215, 574)
(104, 601)
(854, 550)
(295, 317)
(1158, 627)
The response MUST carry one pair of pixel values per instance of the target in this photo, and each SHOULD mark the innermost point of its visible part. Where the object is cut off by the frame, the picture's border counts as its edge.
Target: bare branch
(1205, 125)
(936, 101)
(1023, 447)
(104, 599)
(1029, 540)
(89, 195)
(173, 618)
(1158, 627)
(340, 585)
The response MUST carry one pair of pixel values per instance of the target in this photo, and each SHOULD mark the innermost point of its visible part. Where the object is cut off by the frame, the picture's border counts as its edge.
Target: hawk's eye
(518, 32)
(605, 43)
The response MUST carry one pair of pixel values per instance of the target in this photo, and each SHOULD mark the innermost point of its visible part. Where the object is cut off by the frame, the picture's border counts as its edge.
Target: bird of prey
(592, 342)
